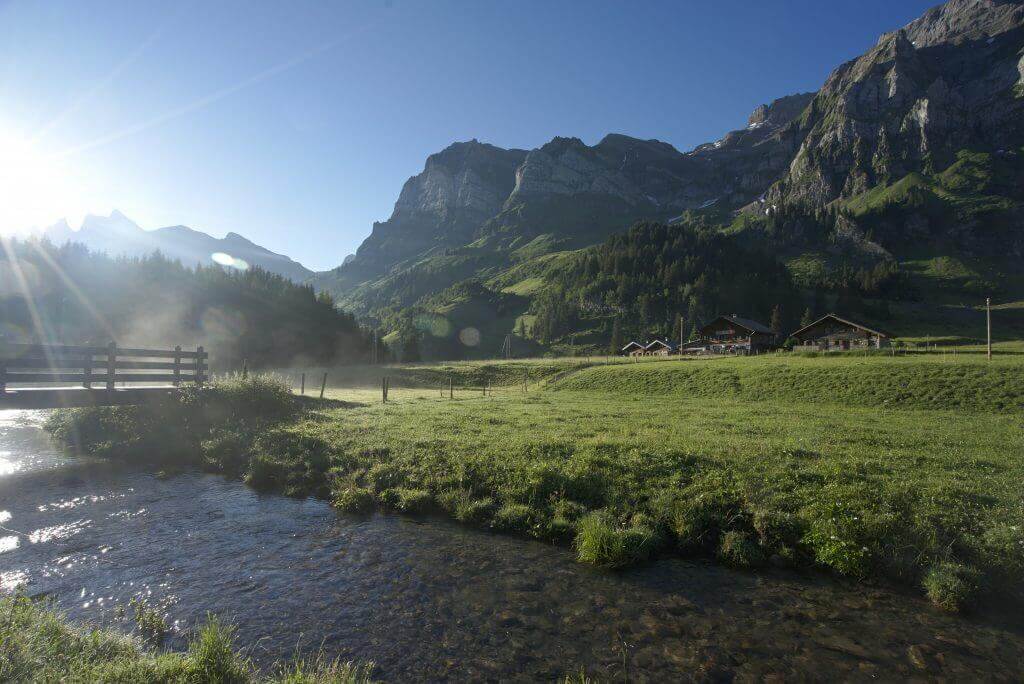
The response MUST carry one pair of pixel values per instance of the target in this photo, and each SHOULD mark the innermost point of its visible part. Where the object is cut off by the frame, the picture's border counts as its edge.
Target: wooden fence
(99, 366)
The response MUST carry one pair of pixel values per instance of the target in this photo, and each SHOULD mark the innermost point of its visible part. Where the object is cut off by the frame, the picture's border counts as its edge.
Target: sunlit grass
(38, 644)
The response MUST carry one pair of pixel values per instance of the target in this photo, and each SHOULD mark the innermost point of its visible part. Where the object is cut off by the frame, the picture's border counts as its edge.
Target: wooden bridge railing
(103, 366)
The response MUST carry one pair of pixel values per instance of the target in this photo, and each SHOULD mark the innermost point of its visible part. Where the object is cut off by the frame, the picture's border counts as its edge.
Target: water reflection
(431, 600)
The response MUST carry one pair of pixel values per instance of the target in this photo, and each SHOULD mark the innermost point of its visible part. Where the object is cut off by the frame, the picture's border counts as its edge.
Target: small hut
(736, 335)
(832, 333)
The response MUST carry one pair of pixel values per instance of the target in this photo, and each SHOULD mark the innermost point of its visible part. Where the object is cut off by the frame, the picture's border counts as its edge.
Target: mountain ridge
(117, 235)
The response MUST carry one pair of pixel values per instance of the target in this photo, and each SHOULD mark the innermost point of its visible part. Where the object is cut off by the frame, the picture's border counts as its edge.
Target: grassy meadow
(904, 468)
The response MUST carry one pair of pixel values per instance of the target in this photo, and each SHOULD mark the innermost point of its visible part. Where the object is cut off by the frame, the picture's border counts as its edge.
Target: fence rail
(47, 364)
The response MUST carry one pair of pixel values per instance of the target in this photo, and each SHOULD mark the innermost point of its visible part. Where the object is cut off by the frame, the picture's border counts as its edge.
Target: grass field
(907, 468)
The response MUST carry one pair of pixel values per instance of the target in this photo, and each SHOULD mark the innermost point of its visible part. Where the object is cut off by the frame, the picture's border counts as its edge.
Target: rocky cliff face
(946, 82)
(458, 189)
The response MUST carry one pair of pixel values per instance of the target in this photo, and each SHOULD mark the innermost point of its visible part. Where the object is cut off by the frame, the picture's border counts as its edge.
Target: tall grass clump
(600, 540)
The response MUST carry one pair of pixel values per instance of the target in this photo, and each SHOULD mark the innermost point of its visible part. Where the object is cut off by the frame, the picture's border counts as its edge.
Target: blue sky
(296, 123)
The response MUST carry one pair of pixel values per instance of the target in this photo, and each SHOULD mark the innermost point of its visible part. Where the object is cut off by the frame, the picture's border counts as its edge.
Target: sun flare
(35, 187)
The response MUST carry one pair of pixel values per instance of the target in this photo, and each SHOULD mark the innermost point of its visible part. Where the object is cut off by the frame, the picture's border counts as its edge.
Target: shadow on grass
(315, 403)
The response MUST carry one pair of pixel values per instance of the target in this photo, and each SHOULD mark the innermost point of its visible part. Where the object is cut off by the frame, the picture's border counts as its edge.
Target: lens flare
(469, 337)
(229, 261)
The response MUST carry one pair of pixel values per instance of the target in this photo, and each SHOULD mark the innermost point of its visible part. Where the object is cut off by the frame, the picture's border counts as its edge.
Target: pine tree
(807, 318)
(521, 329)
(677, 328)
(776, 324)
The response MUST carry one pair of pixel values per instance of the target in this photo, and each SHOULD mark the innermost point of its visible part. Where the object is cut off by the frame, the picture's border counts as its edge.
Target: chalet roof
(745, 323)
(843, 321)
(631, 344)
(663, 343)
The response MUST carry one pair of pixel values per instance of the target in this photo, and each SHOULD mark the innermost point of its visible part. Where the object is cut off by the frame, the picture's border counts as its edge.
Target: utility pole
(988, 324)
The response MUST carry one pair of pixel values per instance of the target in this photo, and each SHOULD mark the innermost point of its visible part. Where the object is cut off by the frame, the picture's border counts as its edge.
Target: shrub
(740, 550)
(599, 541)
(258, 399)
(950, 586)
(353, 499)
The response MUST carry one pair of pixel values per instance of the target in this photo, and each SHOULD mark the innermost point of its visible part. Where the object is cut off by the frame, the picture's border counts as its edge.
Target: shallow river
(432, 600)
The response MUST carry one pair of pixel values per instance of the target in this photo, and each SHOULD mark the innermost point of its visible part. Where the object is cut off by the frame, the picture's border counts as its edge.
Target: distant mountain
(118, 235)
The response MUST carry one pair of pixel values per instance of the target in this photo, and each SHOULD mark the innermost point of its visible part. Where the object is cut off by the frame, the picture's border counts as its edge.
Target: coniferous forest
(80, 297)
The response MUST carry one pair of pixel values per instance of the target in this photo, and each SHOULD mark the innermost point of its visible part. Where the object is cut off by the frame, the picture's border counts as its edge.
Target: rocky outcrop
(944, 83)
(458, 189)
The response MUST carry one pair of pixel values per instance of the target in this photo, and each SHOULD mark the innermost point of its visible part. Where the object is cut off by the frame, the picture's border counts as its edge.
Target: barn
(736, 335)
(833, 333)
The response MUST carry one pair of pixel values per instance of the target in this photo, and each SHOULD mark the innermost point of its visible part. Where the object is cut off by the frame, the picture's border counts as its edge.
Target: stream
(431, 600)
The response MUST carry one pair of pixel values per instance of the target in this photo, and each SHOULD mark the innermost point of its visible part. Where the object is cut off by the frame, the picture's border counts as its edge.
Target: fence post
(302, 389)
(526, 377)
(87, 372)
(451, 391)
(3, 377)
(177, 366)
(111, 364)
(245, 368)
(384, 389)
(323, 386)
(200, 357)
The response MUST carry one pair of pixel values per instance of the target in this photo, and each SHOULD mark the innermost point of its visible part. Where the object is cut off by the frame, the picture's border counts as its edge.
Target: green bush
(951, 586)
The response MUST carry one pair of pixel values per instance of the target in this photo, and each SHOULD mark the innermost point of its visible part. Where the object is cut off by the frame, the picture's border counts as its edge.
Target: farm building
(736, 335)
(659, 348)
(832, 333)
(633, 349)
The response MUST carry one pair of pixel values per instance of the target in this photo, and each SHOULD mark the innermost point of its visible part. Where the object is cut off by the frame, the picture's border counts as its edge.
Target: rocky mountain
(952, 80)
(485, 206)
(118, 235)
(900, 180)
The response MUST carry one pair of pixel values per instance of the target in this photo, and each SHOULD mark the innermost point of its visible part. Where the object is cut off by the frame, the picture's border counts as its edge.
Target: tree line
(69, 295)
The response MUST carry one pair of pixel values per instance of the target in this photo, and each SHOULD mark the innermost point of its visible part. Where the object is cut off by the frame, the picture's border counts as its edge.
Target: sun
(35, 188)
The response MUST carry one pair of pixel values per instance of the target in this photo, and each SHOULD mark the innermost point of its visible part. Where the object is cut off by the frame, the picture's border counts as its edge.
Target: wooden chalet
(736, 335)
(659, 348)
(832, 333)
(633, 348)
